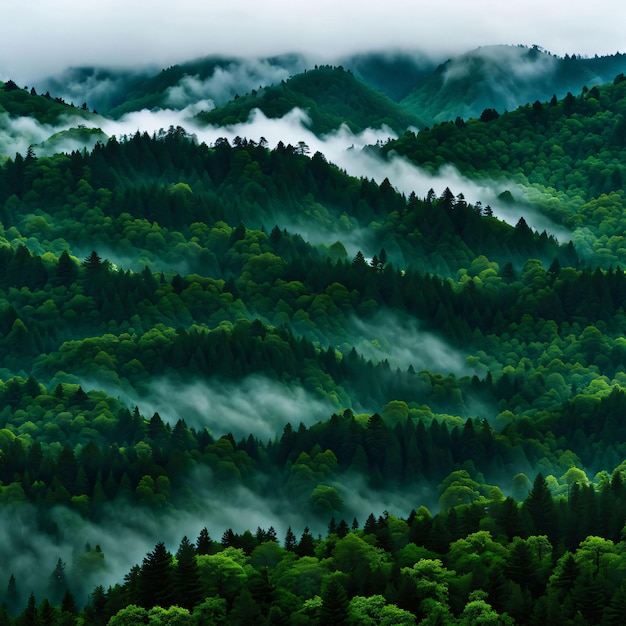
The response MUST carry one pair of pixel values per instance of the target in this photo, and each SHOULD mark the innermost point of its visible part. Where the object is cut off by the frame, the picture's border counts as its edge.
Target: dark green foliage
(186, 577)
(329, 95)
(205, 297)
(334, 611)
(156, 578)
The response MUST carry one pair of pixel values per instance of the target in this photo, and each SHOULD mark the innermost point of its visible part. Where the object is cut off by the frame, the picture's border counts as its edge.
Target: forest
(240, 384)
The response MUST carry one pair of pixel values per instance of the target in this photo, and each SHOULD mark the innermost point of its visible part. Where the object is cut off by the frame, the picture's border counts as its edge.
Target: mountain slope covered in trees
(503, 78)
(329, 96)
(421, 404)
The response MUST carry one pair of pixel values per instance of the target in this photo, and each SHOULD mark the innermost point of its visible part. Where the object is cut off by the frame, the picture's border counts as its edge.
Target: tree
(374, 610)
(203, 543)
(306, 545)
(29, 616)
(540, 507)
(156, 578)
(172, 616)
(212, 610)
(13, 599)
(478, 611)
(335, 605)
(57, 582)
(130, 616)
(291, 541)
(188, 591)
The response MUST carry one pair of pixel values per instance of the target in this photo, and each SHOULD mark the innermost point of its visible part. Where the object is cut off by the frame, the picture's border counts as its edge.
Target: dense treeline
(491, 561)
(148, 198)
(566, 155)
(18, 102)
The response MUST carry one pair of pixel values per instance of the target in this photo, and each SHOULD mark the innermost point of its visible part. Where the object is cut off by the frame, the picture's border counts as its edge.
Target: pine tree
(155, 581)
(188, 591)
(57, 582)
(13, 600)
(68, 604)
(203, 542)
(290, 540)
(306, 546)
(334, 611)
(540, 506)
(29, 617)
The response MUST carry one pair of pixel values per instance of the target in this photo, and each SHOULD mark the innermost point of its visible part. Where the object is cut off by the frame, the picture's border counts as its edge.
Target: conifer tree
(156, 577)
(188, 591)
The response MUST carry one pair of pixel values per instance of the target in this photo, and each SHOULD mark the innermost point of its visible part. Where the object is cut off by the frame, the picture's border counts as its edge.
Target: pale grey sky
(44, 36)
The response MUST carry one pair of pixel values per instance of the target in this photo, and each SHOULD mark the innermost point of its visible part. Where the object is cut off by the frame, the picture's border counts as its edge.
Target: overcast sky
(38, 37)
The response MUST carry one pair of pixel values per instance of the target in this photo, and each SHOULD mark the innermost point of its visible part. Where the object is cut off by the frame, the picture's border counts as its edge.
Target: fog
(253, 405)
(101, 88)
(235, 78)
(17, 134)
(400, 340)
(512, 63)
(126, 533)
(49, 36)
(345, 149)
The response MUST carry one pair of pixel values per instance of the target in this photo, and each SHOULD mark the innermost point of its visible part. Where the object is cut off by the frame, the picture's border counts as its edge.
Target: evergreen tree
(203, 542)
(156, 578)
(335, 604)
(57, 583)
(290, 540)
(540, 507)
(187, 588)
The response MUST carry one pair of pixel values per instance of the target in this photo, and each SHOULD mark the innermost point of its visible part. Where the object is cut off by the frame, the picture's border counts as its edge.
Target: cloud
(235, 78)
(254, 405)
(50, 36)
(18, 133)
(400, 340)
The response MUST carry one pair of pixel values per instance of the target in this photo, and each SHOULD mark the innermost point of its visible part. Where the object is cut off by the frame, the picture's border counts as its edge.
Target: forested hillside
(239, 385)
(567, 158)
(504, 77)
(330, 96)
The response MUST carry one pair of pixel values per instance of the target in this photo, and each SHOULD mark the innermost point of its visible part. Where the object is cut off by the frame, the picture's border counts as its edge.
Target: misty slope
(215, 80)
(395, 73)
(18, 102)
(565, 157)
(330, 97)
(102, 88)
(503, 78)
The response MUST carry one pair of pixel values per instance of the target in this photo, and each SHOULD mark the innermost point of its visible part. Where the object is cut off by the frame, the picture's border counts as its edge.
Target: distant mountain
(331, 96)
(395, 73)
(503, 78)
(114, 92)
(101, 88)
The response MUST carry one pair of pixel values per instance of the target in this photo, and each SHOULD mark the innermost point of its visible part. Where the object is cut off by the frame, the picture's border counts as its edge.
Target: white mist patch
(236, 78)
(360, 500)
(17, 133)
(401, 341)
(407, 177)
(510, 62)
(255, 405)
